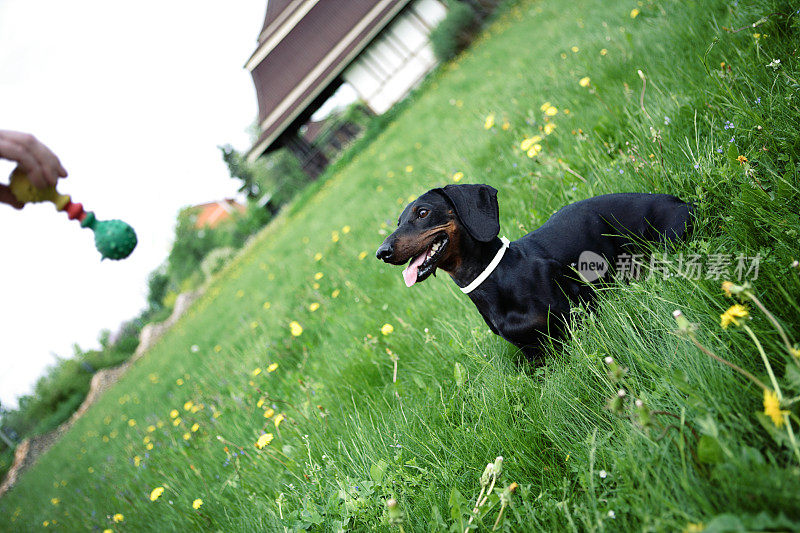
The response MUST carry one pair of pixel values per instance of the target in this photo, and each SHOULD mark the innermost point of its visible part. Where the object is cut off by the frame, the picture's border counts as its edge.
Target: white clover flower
(775, 64)
(603, 474)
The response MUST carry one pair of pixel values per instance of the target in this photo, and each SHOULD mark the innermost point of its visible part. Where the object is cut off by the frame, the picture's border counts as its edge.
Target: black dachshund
(524, 289)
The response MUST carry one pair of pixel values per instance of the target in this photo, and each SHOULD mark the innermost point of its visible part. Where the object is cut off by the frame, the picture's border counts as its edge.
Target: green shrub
(454, 33)
(216, 260)
(6, 458)
(61, 414)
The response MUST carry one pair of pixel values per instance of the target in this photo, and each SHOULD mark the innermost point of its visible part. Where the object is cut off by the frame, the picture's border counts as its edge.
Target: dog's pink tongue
(410, 272)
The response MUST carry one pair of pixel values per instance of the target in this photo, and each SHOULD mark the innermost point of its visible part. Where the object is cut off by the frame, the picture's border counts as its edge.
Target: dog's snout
(385, 251)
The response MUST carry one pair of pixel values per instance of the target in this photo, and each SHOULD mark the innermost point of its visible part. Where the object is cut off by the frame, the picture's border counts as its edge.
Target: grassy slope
(351, 437)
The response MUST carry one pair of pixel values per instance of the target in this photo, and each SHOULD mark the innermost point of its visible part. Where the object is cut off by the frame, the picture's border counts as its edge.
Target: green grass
(352, 437)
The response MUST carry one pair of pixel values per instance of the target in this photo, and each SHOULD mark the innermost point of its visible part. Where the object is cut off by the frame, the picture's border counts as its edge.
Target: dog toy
(114, 239)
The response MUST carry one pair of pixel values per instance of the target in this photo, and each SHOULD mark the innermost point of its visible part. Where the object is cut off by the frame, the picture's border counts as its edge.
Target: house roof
(302, 49)
(210, 215)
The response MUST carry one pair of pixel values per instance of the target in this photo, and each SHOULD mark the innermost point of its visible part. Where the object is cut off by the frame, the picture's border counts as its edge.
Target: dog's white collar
(489, 269)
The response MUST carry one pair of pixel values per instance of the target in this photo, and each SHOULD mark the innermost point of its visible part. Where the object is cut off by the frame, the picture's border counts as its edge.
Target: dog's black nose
(384, 252)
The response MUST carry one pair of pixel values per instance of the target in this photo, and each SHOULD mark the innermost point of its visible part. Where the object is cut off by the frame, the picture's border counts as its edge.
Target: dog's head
(433, 228)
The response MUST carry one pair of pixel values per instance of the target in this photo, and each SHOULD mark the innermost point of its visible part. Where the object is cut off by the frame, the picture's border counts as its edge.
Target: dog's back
(611, 224)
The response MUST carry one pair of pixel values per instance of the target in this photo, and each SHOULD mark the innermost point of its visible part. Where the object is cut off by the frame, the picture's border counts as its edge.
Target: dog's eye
(422, 213)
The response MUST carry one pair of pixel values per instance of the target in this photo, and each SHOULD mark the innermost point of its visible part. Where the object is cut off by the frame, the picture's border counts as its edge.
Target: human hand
(34, 158)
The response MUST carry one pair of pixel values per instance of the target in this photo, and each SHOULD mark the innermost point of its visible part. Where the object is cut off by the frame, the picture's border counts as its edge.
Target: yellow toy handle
(24, 191)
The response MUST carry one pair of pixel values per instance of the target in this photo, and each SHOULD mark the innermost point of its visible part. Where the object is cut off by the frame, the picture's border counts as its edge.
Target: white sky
(134, 97)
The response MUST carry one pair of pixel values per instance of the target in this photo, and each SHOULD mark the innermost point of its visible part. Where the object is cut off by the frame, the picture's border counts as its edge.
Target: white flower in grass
(612, 514)
(775, 64)
(603, 474)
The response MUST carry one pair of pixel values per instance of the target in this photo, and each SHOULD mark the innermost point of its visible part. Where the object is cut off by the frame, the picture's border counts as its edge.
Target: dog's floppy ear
(476, 207)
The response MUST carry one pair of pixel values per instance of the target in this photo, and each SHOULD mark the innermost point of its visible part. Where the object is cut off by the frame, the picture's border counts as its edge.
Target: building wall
(399, 57)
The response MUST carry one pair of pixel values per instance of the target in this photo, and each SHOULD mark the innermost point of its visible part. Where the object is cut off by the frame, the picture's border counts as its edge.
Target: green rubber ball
(114, 239)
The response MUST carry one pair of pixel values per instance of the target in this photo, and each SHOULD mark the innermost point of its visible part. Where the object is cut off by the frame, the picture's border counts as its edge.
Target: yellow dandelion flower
(335, 293)
(505, 125)
(730, 316)
(131, 422)
(266, 305)
(197, 503)
(458, 176)
(278, 419)
(240, 293)
(260, 402)
(549, 128)
(146, 439)
(263, 440)
(177, 422)
(387, 329)
(118, 517)
(575, 49)
(313, 306)
(604, 51)
(551, 111)
(295, 328)
(256, 372)
(151, 428)
(409, 168)
(346, 229)
(317, 256)
(55, 501)
(726, 288)
(269, 413)
(187, 436)
(188, 405)
(149, 446)
(335, 236)
(156, 493)
(741, 159)
(526, 144)
(319, 275)
(772, 408)
(634, 13)
(585, 81)
(174, 413)
(179, 382)
(544, 106)
(195, 427)
(362, 255)
(217, 348)
(489, 122)
(273, 367)
(534, 151)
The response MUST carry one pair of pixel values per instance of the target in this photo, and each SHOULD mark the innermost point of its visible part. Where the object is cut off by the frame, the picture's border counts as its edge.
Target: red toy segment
(75, 210)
